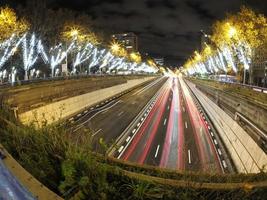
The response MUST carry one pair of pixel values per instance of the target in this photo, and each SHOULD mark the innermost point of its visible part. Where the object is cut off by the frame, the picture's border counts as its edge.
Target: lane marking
(219, 151)
(79, 115)
(134, 131)
(168, 107)
(80, 125)
(128, 138)
(86, 111)
(211, 134)
(215, 141)
(71, 119)
(189, 156)
(142, 119)
(183, 109)
(185, 124)
(96, 132)
(224, 164)
(165, 120)
(157, 151)
(120, 113)
(138, 124)
(120, 149)
(92, 108)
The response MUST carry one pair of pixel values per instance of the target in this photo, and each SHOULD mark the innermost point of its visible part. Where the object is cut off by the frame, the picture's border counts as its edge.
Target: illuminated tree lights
(233, 41)
(8, 48)
(32, 48)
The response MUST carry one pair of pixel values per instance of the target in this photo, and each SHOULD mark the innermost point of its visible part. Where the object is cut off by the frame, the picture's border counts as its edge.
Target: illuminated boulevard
(171, 133)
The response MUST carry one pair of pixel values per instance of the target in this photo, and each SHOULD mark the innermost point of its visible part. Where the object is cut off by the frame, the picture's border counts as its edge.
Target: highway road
(174, 135)
(171, 133)
(108, 120)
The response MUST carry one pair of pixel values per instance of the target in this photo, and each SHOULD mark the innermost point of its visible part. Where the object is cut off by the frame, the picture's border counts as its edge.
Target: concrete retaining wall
(247, 156)
(255, 113)
(59, 110)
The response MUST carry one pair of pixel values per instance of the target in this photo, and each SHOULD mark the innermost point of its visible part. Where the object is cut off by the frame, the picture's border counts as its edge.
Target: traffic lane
(172, 156)
(190, 151)
(140, 145)
(155, 153)
(208, 155)
(113, 122)
(81, 118)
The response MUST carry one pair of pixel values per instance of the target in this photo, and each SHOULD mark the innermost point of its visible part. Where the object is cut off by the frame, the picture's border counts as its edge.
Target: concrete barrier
(59, 110)
(247, 156)
(252, 110)
(36, 188)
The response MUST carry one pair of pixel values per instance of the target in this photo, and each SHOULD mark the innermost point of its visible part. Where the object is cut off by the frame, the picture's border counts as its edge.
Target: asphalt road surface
(106, 122)
(172, 135)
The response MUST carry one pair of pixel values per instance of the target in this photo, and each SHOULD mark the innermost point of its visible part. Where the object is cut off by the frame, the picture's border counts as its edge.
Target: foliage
(79, 32)
(233, 40)
(10, 24)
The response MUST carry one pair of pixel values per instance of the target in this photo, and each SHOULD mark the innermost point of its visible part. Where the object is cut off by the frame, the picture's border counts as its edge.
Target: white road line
(185, 124)
(145, 114)
(168, 107)
(189, 156)
(211, 134)
(224, 164)
(157, 151)
(183, 109)
(79, 115)
(120, 113)
(80, 125)
(97, 105)
(138, 124)
(219, 151)
(92, 108)
(215, 141)
(209, 127)
(96, 132)
(85, 111)
(165, 120)
(134, 131)
(142, 119)
(71, 119)
(120, 149)
(128, 138)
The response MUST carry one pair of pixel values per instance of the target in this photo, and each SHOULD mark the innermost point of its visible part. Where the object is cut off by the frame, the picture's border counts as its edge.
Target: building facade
(159, 61)
(128, 40)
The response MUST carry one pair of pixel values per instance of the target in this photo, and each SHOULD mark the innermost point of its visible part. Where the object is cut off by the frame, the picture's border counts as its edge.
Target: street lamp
(232, 32)
(115, 47)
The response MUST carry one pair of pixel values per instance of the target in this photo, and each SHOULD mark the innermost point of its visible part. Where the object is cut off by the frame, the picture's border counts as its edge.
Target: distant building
(128, 40)
(258, 69)
(159, 61)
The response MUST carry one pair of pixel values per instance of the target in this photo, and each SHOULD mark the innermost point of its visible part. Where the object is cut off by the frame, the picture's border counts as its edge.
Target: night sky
(168, 28)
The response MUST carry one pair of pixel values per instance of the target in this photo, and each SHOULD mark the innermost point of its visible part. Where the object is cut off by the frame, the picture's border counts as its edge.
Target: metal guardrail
(260, 133)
